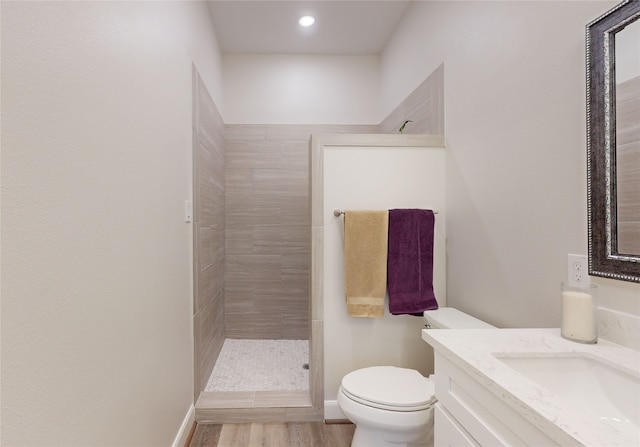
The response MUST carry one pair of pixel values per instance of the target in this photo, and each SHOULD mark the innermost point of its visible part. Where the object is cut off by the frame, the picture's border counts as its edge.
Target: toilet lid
(389, 387)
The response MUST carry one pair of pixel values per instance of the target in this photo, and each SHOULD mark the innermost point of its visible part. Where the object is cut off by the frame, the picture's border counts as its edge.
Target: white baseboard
(185, 428)
(332, 411)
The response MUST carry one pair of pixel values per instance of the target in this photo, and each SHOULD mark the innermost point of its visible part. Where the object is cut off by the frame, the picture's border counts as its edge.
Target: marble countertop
(475, 351)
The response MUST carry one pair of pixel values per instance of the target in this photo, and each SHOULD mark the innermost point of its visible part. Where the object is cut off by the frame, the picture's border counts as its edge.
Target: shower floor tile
(261, 365)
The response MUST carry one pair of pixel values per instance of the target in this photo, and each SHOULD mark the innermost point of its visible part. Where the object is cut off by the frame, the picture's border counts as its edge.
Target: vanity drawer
(448, 433)
(487, 419)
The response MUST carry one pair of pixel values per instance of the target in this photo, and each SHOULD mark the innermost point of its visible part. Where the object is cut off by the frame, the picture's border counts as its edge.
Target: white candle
(578, 316)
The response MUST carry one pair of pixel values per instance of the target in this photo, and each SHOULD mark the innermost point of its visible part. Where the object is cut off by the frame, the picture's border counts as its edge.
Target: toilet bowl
(392, 406)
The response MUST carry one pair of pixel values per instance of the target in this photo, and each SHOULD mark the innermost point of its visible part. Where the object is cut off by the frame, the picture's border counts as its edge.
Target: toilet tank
(450, 318)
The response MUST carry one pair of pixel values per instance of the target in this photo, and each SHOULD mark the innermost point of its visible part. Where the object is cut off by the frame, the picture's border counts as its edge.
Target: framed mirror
(613, 142)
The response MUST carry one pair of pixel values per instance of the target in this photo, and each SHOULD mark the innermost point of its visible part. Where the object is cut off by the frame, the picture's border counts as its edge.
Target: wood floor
(292, 434)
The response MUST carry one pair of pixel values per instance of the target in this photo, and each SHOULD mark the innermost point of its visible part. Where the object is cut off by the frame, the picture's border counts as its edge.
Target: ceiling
(271, 27)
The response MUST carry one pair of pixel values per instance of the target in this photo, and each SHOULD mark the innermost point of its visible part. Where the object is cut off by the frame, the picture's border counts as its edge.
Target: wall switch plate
(578, 270)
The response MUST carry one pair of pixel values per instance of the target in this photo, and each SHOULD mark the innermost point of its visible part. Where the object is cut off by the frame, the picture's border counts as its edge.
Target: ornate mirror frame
(604, 257)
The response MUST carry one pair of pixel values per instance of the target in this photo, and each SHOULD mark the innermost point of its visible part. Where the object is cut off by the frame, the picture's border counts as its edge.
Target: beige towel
(365, 256)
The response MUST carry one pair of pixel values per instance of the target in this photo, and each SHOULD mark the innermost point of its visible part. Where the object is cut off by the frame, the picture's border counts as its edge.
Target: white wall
(516, 148)
(376, 178)
(301, 89)
(96, 257)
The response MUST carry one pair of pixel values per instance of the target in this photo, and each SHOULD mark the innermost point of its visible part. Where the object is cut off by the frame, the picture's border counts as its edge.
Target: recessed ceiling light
(306, 21)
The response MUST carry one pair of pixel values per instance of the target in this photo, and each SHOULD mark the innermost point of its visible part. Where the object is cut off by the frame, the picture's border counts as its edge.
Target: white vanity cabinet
(471, 415)
(483, 401)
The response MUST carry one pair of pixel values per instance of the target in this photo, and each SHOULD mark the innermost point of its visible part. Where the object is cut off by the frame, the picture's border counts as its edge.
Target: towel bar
(339, 213)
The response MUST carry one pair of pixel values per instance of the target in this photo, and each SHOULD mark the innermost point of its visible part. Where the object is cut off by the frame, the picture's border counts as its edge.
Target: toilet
(392, 406)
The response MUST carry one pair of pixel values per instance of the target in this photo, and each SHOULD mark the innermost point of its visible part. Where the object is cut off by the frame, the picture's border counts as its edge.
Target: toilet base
(383, 428)
(369, 437)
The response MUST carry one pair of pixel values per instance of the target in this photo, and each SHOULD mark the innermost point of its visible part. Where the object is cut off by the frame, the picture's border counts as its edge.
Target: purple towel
(410, 261)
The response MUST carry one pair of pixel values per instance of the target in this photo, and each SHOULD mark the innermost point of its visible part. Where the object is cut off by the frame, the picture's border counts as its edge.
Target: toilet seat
(389, 388)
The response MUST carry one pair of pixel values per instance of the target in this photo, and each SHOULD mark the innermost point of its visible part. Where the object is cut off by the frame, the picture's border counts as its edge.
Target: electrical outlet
(578, 270)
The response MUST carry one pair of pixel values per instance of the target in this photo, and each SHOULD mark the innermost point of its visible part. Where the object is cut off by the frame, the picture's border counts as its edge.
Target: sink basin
(588, 384)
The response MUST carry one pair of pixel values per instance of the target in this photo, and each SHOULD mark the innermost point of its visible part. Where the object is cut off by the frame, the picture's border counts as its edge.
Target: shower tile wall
(209, 233)
(267, 228)
(424, 107)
